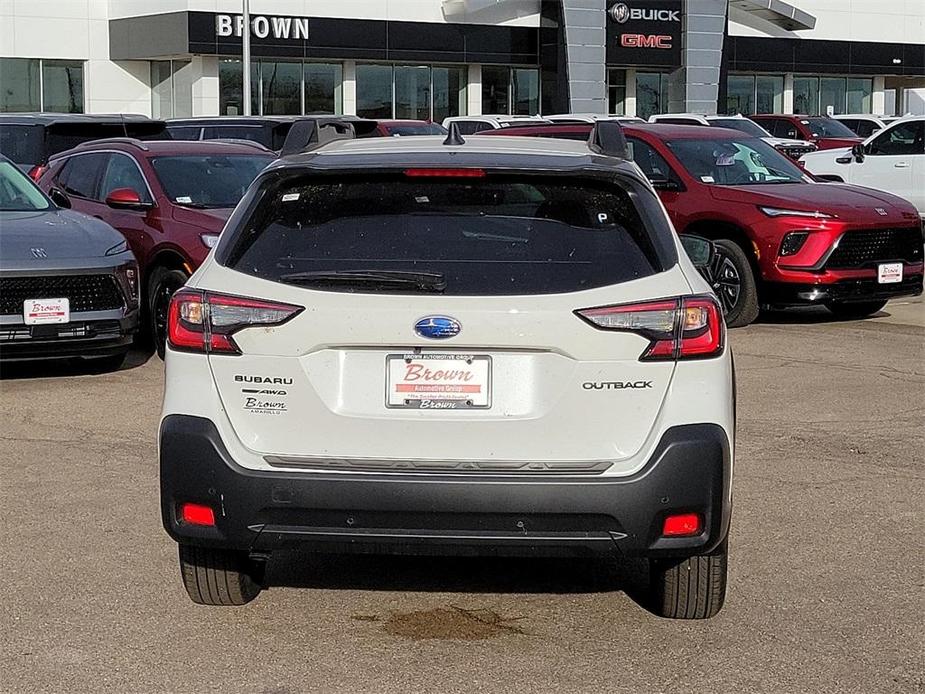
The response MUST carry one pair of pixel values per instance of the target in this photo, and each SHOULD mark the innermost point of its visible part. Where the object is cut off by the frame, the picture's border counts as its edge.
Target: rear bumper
(848, 290)
(96, 334)
(690, 471)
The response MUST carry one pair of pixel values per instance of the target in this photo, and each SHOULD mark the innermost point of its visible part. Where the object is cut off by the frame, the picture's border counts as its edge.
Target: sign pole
(246, 58)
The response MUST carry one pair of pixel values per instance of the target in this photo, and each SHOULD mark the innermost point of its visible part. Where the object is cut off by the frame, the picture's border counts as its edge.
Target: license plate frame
(889, 273)
(46, 311)
(455, 394)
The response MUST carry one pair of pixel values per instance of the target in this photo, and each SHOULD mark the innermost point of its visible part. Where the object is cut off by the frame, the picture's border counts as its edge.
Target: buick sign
(437, 327)
(620, 12)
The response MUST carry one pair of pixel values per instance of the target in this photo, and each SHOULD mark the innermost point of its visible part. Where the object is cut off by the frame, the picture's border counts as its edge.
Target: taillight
(36, 172)
(689, 327)
(205, 322)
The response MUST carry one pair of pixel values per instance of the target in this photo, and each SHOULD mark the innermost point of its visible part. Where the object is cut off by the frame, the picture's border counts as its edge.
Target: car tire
(693, 588)
(162, 284)
(733, 281)
(855, 309)
(219, 577)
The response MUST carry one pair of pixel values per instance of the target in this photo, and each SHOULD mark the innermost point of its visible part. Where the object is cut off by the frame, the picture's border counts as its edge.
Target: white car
(865, 124)
(892, 160)
(792, 148)
(572, 118)
(469, 125)
(494, 346)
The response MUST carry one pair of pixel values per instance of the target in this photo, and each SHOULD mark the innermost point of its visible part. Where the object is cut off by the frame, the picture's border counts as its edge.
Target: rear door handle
(901, 165)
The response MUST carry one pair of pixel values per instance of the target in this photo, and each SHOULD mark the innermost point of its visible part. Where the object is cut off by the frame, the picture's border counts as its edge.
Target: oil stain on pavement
(446, 623)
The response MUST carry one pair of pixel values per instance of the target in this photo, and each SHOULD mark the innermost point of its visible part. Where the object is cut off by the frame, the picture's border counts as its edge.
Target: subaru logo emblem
(38, 253)
(437, 327)
(620, 12)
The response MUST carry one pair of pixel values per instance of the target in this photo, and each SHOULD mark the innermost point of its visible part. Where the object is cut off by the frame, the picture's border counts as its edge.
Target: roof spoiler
(607, 138)
(308, 133)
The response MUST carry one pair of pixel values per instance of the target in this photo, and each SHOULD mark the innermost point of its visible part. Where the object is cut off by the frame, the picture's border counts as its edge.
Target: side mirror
(660, 182)
(59, 198)
(859, 151)
(700, 251)
(126, 199)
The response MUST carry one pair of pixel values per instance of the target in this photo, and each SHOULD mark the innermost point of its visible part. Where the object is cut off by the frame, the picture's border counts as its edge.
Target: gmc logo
(645, 41)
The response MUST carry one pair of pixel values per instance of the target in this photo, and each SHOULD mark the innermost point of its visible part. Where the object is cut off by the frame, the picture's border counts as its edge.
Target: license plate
(888, 273)
(438, 381)
(44, 311)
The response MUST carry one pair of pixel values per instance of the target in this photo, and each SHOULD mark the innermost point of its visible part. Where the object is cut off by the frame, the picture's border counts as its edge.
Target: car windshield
(742, 125)
(469, 236)
(735, 162)
(17, 192)
(406, 129)
(828, 127)
(208, 181)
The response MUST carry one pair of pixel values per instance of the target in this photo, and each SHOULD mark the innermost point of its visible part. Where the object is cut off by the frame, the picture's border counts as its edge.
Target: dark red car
(826, 132)
(781, 238)
(170, 199)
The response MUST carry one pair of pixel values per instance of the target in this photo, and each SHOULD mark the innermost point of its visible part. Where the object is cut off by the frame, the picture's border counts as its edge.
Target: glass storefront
(418, 92)
(28, 84)
(651, 93)
(496, 90)
(323, 87)
(280, 88)
(171, 89)
(747, 94)
(510, 91)
(820, 95)
(231, 89)
(616, 91)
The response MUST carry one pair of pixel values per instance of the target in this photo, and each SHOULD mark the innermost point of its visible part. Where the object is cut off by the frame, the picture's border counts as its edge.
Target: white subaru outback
(427, 346)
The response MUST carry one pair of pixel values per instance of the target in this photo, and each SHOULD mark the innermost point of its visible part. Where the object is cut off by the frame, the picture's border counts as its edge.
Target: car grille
(861, 248)
(95, 329)
(797, 152)
(85, 292)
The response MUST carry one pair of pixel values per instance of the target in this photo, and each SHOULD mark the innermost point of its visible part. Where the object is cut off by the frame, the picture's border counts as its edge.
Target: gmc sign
(645, 33)
(645, 41)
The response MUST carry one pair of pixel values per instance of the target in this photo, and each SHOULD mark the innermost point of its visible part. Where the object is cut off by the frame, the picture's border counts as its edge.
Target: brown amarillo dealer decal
(264, 400)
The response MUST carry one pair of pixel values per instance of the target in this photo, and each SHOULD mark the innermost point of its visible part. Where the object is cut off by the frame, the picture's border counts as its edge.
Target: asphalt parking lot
(826, 578)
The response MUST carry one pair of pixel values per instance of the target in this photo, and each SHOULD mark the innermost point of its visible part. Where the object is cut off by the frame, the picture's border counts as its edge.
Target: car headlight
(209, 240)
(780, 212)
(120, 247)
(128, 278)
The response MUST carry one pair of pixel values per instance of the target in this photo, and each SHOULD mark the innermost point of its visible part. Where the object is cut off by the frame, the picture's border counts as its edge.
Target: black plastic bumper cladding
(690, 471)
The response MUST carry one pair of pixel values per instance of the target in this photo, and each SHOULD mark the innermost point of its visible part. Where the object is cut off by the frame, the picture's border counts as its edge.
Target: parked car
(825, 132)
(348, 371)
(29, 139)
(271, 131)
(170, 199)
(69, 284)
(469, 125)
(591, 118)
(864, 124)
(892, 160)
(781, 238)
(792, 148)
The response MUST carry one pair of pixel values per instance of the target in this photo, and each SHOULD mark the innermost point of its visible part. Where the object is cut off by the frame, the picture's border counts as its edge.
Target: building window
(526, 86)
(281, 89)
(29, 84)
(171, 88)
(820, 95)
(508, 91)
(747, 94)
(323, 88)
(651, 93)
(418, 92)
(616, 92)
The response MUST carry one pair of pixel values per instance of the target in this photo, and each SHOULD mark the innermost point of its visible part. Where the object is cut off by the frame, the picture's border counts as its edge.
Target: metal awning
(778, 13)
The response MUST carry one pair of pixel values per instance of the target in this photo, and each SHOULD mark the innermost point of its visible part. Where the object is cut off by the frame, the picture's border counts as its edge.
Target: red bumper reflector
(682, 525)
(197, 514)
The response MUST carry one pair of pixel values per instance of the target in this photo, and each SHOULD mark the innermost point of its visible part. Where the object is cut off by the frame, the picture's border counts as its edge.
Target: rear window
(254, 133)
(409, 129)
(494, 235)
(22, 144)
(65, 136)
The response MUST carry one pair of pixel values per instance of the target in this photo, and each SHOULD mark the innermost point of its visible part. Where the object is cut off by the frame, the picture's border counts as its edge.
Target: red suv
(826, 132)
(781, 238)
(170, 200)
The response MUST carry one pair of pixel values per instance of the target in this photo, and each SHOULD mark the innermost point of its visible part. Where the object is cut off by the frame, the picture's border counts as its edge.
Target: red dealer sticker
(438, 381)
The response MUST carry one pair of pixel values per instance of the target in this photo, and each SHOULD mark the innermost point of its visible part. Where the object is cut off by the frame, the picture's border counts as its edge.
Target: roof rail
(235, 141)
(133, 141)
(607, 138)
(308, 133)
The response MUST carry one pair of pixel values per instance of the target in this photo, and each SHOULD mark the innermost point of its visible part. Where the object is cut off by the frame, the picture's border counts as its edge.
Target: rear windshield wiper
(424, 281)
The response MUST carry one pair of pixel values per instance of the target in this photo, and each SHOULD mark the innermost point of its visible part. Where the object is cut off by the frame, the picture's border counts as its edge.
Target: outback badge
(437, 327)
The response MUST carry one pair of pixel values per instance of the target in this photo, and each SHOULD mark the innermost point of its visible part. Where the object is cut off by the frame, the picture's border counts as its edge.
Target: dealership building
(437, 58)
